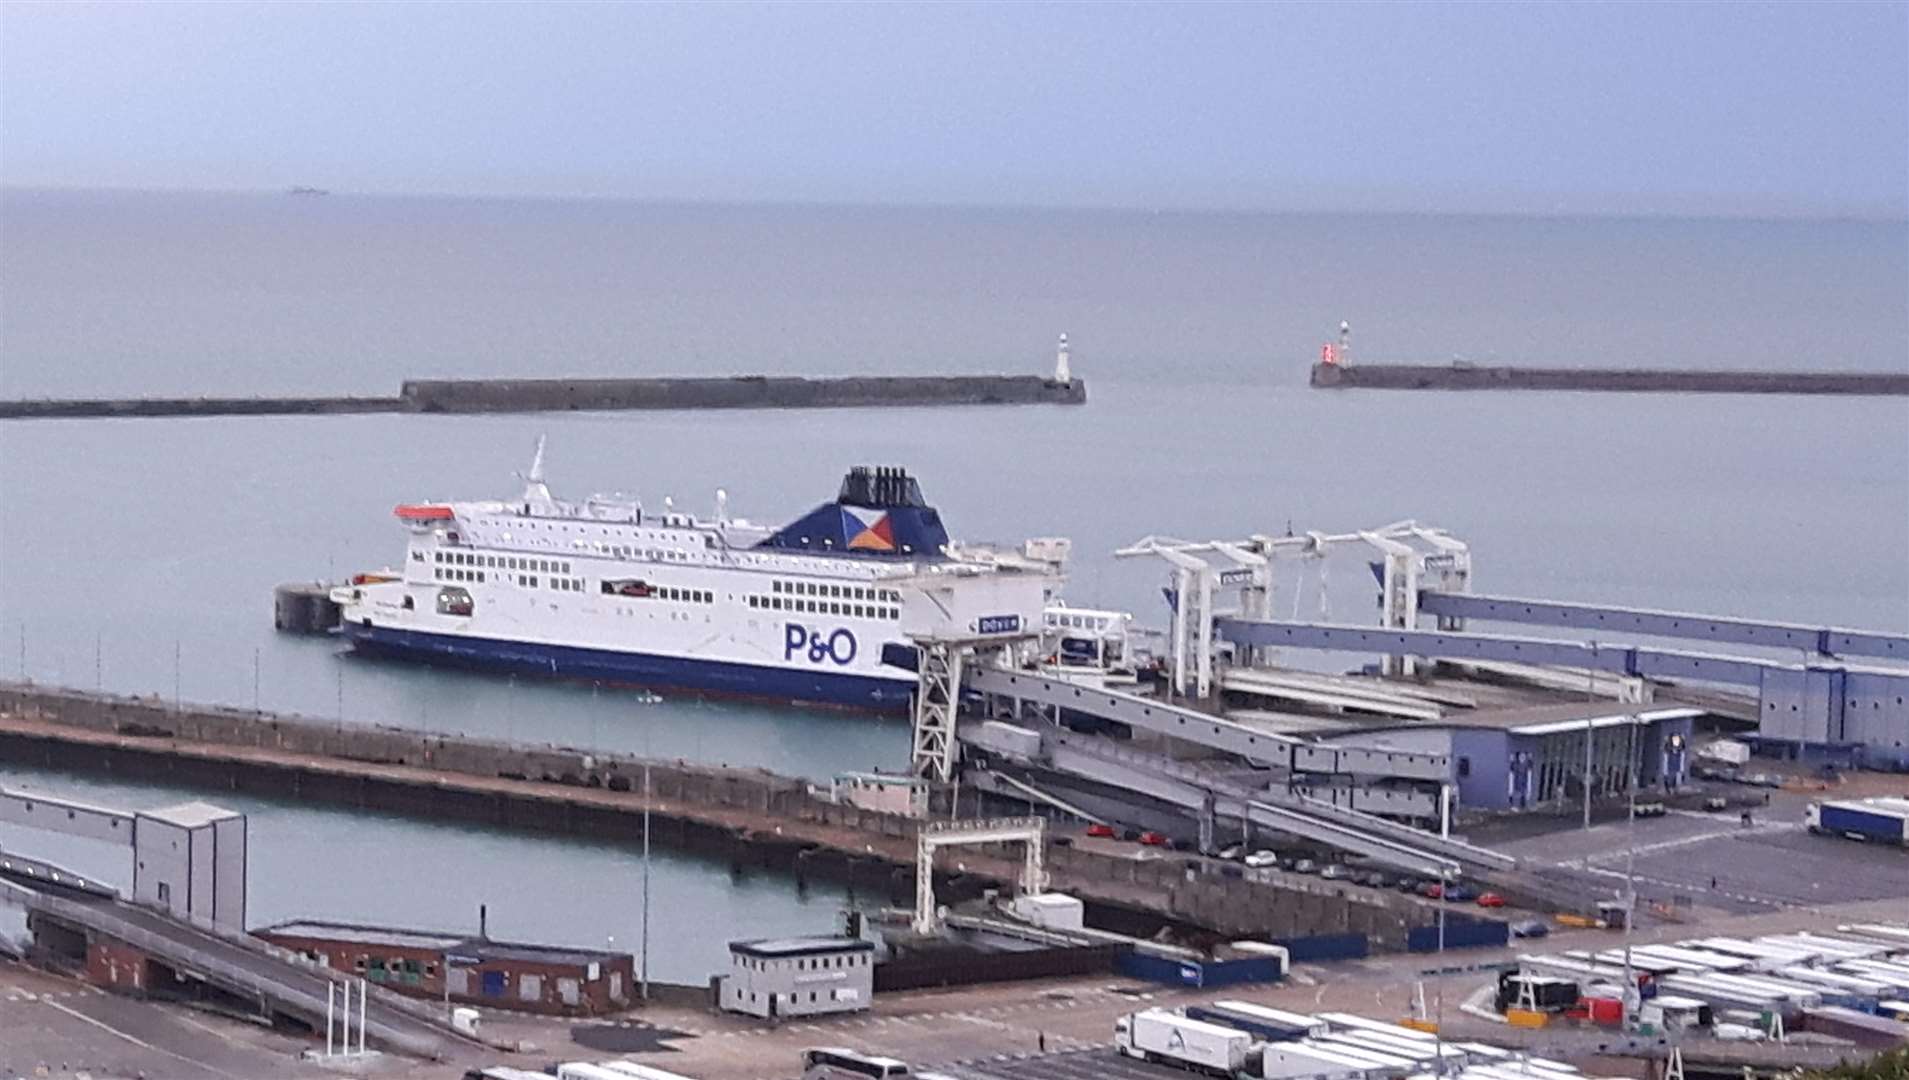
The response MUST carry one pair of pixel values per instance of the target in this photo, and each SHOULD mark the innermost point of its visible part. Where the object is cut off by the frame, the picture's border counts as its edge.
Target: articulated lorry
(1882, 820)
(1172, 1039)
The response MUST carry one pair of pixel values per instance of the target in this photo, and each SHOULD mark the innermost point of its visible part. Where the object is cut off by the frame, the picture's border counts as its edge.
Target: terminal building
(465, 968)
(799, 976)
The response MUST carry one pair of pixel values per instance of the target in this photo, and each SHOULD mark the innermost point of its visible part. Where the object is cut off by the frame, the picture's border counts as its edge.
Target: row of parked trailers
(1862, 968)
(1234, 1038)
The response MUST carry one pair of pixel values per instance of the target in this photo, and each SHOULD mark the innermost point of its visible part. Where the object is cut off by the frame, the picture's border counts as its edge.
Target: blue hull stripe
(639, 669)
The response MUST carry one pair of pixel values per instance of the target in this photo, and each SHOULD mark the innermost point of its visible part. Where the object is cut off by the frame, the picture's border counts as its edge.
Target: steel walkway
(1821, 640)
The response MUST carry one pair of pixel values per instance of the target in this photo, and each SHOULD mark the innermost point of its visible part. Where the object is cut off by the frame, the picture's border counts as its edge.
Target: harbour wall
(465, 396)
(746, 816)
(1628, 380)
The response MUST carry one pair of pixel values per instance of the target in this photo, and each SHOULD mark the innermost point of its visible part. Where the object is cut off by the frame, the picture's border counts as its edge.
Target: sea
(140, 555)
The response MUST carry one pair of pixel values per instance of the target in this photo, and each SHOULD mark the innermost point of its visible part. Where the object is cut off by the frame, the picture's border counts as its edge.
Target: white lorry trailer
(1172, 1039)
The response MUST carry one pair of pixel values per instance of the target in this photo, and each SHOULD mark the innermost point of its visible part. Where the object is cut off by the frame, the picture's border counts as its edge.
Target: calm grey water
(127, 544)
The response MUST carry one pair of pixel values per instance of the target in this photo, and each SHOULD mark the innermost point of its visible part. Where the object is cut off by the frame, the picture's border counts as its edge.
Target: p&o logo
(836, 646)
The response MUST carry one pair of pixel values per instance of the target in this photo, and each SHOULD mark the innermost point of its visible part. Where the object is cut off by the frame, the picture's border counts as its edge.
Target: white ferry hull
(633, 669)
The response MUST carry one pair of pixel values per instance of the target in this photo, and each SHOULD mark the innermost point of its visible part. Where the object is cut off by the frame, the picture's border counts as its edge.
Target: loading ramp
(241, 966)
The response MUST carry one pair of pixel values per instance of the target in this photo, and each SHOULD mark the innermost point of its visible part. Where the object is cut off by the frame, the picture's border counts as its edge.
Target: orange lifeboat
(423, 512)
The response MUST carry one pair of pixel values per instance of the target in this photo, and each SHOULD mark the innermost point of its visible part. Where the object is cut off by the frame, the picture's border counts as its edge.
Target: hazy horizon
(1775, 217)
(1761, 111)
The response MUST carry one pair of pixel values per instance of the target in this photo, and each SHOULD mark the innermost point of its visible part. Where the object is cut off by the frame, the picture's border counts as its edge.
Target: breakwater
(746, 816)
(456, 396)
(1624, 380)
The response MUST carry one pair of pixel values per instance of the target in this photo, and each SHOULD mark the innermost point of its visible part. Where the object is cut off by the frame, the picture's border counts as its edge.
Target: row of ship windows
(500, 562)
(834, 592)
(528, 581)
(637, 590)
(824, 607)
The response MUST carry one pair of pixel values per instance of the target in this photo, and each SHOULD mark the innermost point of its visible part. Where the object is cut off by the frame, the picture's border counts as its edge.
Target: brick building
(472, 970)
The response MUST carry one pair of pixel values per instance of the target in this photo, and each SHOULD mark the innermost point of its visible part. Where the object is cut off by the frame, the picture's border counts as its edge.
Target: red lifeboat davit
(422, 512)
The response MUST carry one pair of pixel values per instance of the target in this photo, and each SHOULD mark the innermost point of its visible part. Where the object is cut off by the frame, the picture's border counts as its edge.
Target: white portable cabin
(1313, 1025)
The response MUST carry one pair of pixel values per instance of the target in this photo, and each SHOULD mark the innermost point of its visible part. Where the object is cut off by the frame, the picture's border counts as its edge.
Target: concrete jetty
(463, 396)
(1343, 376)
(745, 815)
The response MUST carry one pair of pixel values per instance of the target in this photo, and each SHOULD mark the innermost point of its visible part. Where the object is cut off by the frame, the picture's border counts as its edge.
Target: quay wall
(739, 392)
(134, 408)
(450, 396)
(1631, 380)
(744, 815)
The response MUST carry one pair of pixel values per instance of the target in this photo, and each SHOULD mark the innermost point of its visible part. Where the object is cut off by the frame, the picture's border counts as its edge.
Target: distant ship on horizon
(303, 190)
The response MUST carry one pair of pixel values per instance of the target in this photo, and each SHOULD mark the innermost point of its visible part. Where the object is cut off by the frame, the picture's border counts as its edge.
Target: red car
(1153, 839)
(1106, 832)
(1434, 891)
(1490, 899)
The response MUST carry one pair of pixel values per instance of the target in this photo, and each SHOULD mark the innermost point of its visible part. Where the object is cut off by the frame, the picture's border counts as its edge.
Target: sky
(1738, 109)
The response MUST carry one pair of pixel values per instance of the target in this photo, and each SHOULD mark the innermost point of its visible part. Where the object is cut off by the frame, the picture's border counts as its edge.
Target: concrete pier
(747, 815)
(456, 396)
(1628, 380)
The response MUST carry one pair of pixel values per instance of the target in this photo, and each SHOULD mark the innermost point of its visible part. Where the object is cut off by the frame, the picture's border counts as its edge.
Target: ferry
(601, 590)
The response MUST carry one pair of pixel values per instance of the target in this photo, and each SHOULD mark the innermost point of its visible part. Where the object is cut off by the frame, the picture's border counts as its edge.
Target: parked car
(1530, 928)
(1408, 884)
(1459, 894)
(1104, 831)
(1232, 852)
(1130, 835)
(1373, 879)
(1716, 803)
(1650, 809)
(1061, 841)
(1335, 872)
(1433, 891)
(1305, 866)
(1490, 899)
(1153, 839)
(1262, 859)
